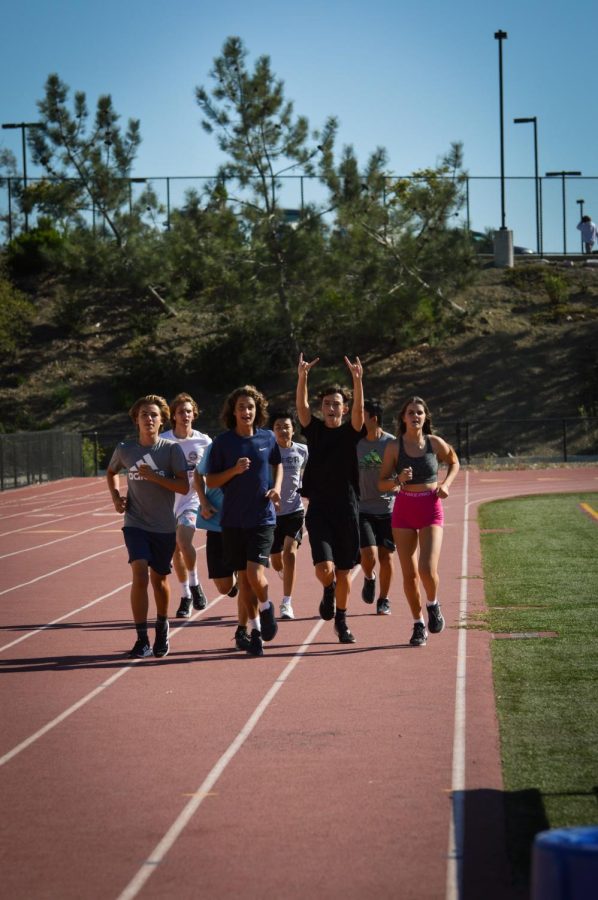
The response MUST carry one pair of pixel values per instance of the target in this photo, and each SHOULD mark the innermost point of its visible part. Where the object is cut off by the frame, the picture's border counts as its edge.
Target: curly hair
(178, 401)
(154, 399)
(227, 414)
(428, 427)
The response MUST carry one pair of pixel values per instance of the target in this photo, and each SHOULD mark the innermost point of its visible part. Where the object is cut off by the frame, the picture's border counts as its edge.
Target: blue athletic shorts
(156, 547)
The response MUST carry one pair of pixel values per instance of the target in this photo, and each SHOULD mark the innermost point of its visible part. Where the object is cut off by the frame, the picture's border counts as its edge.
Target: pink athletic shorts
(417, 509)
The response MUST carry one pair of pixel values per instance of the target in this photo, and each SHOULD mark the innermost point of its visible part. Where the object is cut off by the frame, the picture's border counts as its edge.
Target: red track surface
(320, 770)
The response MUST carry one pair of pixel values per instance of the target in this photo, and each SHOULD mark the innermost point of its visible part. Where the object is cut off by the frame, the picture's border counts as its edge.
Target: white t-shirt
(194, 448)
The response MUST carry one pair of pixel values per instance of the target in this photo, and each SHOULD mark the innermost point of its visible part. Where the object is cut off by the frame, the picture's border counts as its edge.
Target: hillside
(517, 354)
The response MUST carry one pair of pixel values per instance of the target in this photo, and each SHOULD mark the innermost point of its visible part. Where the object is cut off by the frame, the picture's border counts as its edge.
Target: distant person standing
(589, 233)
(183, 412)
(375, 508)
(156, 470)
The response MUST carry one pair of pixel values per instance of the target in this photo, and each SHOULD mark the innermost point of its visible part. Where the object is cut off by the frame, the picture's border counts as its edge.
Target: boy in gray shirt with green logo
(156, 469)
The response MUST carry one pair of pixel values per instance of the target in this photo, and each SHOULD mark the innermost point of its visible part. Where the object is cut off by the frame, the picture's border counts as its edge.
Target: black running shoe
(161, 643)
(255, 647)
(383, 607)
(268, 622)
(328, 602)
(435, 619)
(234, 590)
(419, 638)
(141, 649)
(242, 639)
(345, 636)
(184, 610)
(368, 591)
(198, 596)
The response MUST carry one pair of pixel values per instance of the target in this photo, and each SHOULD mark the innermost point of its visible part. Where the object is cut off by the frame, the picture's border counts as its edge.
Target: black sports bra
(425, 468)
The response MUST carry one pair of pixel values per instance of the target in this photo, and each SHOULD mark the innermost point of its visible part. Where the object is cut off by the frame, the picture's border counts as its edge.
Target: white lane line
(180, 823)
(68, 615)
(69, 537)
(49, 726)
(456, 823)
(70, 565)
(52, 519)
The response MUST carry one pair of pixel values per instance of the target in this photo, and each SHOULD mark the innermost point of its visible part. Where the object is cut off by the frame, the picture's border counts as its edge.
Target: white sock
(185, 589)
(432, 603)
(287, 600)
(420, 620)
(264, 605)
(371, 577)
(254, 624)
(193, 577)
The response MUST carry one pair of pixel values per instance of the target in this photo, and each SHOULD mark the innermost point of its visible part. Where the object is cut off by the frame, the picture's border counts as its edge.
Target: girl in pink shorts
(410, 469)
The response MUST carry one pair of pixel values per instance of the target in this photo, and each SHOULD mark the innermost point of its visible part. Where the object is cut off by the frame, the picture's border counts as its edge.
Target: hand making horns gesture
(356, 369)
(304, 367)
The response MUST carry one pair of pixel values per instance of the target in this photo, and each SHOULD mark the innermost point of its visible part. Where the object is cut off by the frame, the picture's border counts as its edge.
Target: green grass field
(540, 558)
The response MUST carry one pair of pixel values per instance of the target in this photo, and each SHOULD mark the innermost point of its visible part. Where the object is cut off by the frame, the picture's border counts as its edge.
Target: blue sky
(411, 77)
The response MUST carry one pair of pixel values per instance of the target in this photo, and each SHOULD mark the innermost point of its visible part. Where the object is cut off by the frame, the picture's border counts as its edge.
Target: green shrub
(16, 318)
(33, 252)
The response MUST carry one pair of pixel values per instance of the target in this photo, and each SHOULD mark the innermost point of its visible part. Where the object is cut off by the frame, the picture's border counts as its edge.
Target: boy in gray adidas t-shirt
(156, 469)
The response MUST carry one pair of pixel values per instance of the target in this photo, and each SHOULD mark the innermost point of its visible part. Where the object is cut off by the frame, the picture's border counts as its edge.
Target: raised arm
(356, 370)
(302, 400)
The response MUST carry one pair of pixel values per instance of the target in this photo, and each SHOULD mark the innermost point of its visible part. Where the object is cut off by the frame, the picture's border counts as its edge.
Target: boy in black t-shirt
(331, 483)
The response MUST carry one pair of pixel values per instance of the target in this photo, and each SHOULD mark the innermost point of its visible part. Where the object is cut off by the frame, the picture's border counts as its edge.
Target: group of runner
(369, 493)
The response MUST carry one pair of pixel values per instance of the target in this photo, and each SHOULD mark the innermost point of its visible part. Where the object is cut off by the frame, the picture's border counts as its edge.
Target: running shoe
(286, 611)
(184, 610)
(199, 598)
(345, 636)
(435, 619)
(235, 588)
(328, 602)
(242, 639)
(419, 638)
(141, 649)
(161, 643)
(268, 622)
(383, 607)
(368, 591)
(255, 647)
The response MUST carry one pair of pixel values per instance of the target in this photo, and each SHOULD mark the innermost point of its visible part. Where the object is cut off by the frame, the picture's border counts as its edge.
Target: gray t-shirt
(149, 506)
(369, 459)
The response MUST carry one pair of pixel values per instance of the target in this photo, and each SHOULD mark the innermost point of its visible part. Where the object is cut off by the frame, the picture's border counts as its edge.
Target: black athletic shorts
(243, 545)
(375, 531)
(291, 526)
(333, 533)
(215, 556)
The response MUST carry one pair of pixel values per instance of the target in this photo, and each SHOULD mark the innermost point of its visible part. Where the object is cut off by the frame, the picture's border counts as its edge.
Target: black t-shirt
(332, 472)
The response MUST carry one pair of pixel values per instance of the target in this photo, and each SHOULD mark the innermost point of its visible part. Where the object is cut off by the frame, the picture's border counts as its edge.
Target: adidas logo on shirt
(133, 472)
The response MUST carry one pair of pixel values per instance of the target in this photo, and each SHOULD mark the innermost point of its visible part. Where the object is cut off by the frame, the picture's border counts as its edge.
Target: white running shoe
(286, 611)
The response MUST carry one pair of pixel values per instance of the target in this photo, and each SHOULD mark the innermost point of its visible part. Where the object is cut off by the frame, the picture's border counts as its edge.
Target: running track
(319, 771)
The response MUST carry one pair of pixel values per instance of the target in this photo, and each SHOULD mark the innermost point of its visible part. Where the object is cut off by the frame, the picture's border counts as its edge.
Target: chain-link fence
(29, 457)
(542, 214)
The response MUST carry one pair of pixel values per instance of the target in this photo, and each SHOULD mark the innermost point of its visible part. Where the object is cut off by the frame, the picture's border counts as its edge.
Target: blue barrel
(565, 864)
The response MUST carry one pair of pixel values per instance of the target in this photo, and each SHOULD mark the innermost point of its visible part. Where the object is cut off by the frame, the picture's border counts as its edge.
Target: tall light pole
(501, 36)
(563, 175)
(581, 203)
(24, 126)
(534, 121)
